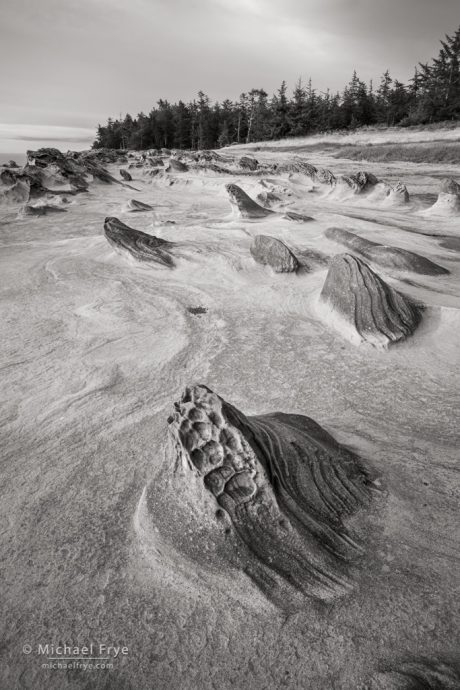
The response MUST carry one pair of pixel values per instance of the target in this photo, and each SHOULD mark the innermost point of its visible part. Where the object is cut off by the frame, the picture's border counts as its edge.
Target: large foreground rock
(363, 307)
(142, 247)
(286, 486)
(270, 251)
(384, 255)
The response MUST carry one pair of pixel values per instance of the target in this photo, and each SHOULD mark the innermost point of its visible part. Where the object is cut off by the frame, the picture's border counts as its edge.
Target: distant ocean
(20, 158)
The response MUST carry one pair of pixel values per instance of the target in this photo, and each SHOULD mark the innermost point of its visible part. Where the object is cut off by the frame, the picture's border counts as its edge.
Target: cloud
(101, 58)
(45, 133)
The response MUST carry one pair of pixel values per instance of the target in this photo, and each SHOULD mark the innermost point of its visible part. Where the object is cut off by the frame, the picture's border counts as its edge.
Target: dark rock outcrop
(137, 206)
(364, 307)
(386, 256)
(243, 203)
(176, 166)
(143, 247)
(397, 195)
(270, 251)
(248, 163)
(269, 198)
(285, 484)
(126, 175)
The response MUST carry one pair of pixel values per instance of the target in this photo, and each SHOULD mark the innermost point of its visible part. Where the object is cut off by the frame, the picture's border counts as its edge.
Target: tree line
(432, 95)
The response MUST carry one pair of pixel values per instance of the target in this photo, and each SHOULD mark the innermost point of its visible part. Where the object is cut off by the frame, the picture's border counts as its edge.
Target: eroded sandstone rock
(286, 485)
(363, 307)
(143, 247)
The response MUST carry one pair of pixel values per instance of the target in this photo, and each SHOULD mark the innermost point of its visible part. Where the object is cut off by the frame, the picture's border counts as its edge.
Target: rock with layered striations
(244, 205)
(324, 176)
(176, 166)
(143, 247)
(270, 251)
(286, 486)
(248, 163)
(386, 256)
(417, 675)
(126, 175)
(138, 206)
(363, 307)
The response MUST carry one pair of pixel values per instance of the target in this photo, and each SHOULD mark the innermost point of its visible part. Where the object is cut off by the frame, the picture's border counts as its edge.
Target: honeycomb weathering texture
(384, 255)
(285, 483)
(141, 246)
(371, 310)
(417, 675)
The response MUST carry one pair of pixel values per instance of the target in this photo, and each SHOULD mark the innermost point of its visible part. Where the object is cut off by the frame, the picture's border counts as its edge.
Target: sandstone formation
(176, 166)
(448, 202)
(397, 195)
(417, 675)
(126, 175)
(48, 171)
(248, 163)
(385, 256)
(136, 206)
(298, 165)
(248, 208)
(272, 252)
(286, 485)
(244, 205)
(18, 193)
(361, 305)
(143, 247)
(324, 176)
(269, 198)
(358, 183)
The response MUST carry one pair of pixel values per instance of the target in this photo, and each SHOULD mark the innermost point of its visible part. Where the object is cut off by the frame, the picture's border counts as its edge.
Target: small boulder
(270, 251)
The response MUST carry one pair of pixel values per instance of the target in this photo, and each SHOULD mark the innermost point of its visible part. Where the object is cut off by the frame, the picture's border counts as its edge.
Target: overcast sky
(66, 65)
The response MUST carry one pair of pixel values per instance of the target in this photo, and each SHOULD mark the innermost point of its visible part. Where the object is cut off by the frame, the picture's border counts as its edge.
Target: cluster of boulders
(48, 172)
